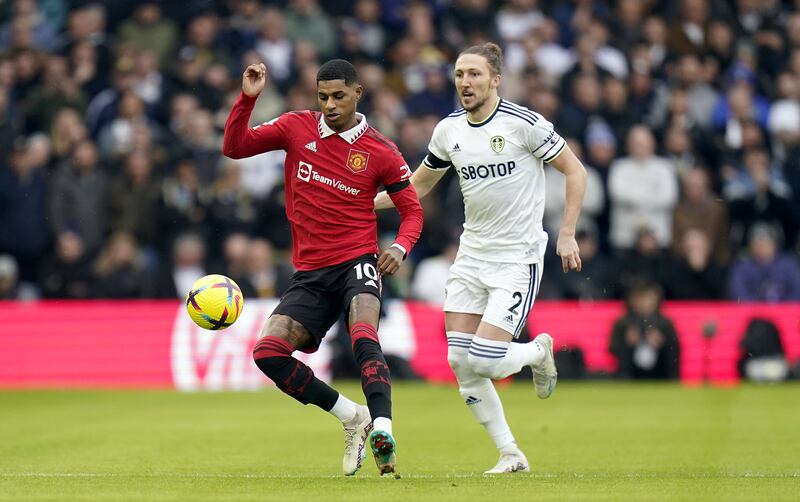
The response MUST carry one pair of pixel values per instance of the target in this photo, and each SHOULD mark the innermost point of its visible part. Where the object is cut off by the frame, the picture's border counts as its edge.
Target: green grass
(589, 441)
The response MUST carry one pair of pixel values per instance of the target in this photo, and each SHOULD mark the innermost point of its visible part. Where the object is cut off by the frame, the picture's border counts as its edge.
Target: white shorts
(503, 293)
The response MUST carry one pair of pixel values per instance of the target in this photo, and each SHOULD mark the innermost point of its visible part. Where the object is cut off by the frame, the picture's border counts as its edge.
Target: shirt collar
(350, 135)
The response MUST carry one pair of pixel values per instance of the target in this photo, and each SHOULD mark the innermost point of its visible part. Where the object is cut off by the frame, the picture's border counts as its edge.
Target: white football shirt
(500, 166)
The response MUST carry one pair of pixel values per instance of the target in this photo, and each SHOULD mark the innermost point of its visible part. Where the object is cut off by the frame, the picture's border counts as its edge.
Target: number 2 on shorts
(513, 309)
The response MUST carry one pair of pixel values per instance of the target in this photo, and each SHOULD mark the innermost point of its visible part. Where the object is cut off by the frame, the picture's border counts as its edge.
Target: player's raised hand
(567, 249)
(254, 79)
(390, 260)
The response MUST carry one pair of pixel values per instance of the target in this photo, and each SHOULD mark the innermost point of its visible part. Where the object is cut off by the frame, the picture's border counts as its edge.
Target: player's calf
(376, 380)
(273, 356)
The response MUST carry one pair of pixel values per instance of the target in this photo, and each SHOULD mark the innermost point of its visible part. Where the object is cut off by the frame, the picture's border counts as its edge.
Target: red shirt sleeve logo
(357, 161)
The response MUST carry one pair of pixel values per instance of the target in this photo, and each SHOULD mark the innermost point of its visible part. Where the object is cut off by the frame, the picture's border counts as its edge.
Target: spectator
(615, 110)
(267, 278)
(115, 140)
(273, 47)
(691, 274)
(67, 131)
(700, 209)
(186, 265)
(765, 274)
(306, 21)
(647, 260)
(598, 278)
(437, 96)
(700, 96)
(577, 113)
(68, 273)
(103, 107)
(627, 22)
(203, 35)
(594, 199)
(76, 196)
(760, 196)
(132, 200)
(23, 206)
(363, 33)
(85, 70)
(643, 340)
(119, 271)
(88, 24)
(784, 114)
(42, 30)
(733, 111)
(232, 209)
(9, 289)
(56, 91)
(233, 262)
(643, 192)
(763, 357)
(149, 30)
(148, 81)
(688, 34)
(601, 148)
(518, 19)
(184, 203)
(678, 149)
(201, 142)
(430, 275)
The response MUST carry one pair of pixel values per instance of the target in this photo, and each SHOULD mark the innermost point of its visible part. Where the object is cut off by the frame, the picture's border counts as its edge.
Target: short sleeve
(437, 157)
(543, 141)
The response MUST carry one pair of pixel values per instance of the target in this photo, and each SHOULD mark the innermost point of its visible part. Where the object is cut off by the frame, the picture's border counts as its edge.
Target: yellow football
(214, 302)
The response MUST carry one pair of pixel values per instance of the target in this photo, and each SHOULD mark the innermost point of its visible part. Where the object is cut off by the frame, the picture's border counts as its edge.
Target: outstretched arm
(423, 180)
(240, 140)
(567, 246)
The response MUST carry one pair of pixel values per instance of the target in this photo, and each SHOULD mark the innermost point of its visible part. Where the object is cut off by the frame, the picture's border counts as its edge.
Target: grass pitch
(589, 441)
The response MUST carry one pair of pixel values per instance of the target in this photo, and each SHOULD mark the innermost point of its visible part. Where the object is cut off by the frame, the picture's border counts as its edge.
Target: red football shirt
(331, 181)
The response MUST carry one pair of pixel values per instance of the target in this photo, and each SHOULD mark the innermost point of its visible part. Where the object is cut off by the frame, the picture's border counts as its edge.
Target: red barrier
(152, 343)
(86, 344)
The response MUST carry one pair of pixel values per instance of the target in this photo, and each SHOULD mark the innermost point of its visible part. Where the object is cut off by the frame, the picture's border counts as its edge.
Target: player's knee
(457, 359)
(484, 366)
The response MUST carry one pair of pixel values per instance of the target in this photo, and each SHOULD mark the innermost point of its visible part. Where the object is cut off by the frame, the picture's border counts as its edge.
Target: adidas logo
(508, 318)
(472, 400)
(456, 148)
(312, 146)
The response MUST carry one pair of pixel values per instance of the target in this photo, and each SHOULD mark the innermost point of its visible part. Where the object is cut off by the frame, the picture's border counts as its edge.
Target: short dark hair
(338, 69)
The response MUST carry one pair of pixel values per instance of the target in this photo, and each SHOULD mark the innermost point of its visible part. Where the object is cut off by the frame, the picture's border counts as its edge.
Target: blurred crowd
(686, 114)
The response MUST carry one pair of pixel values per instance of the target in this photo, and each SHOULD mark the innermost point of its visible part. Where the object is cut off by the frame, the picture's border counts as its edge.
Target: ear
(496, 81)
(359, 90)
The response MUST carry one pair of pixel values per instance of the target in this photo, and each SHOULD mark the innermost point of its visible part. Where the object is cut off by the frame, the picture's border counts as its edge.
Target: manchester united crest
(357, 161)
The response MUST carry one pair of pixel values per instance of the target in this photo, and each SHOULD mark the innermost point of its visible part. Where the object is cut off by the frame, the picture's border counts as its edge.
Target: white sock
(528, 354)
(498, 359)
(479, 393)
(344, 409)
(382, 424)
(510, 448)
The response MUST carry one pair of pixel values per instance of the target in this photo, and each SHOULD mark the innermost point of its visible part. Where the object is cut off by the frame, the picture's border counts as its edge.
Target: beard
(475, 106)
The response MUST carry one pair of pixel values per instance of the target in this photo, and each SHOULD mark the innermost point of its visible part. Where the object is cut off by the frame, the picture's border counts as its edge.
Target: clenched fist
(390, 261)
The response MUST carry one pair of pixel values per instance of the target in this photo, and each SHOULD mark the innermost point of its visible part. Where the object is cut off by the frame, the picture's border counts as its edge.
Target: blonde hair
(491, 51)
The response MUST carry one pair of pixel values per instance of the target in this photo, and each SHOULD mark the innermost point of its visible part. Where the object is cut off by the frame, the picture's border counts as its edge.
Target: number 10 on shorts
(367, 270)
